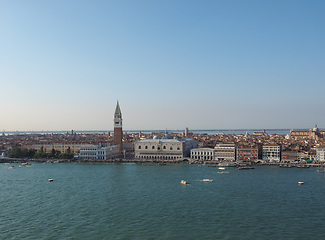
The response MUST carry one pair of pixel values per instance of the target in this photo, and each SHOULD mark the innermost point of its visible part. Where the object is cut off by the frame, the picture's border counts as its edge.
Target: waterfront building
(61, 147)
(289, 156)
(249, 152)
(271, 152)
(164, 148)
(320, 154)
(203, 154)
(118, 132)
(225, 152)
(97, 152)
(303, 156)
(312, 155)
(314, 133)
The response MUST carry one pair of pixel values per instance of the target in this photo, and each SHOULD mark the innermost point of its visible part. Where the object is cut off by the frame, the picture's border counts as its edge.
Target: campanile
(118, 133)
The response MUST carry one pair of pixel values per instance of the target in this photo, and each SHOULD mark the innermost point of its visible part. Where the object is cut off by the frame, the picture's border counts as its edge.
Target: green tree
(15, 153)
(40, 153)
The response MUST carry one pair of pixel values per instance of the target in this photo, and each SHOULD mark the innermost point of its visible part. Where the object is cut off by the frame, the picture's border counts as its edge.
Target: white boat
(222, 168)
(300, 183)
(11, 167)
(50, 180)
(207, 180)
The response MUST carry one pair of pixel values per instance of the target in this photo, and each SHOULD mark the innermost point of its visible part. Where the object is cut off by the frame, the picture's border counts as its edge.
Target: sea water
(131, 201)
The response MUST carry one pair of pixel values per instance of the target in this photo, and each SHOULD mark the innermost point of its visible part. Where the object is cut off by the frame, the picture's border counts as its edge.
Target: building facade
(249, 152)
(95, 152)
(202, 154)
(62, 147)
(225, 152)
(118, 132)
(163, 149)
(289, 156)
(271, 153)
(320, 154)
(314, 133)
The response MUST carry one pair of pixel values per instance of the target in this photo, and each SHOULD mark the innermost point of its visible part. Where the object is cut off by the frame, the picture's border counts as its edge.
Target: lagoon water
(130, 201)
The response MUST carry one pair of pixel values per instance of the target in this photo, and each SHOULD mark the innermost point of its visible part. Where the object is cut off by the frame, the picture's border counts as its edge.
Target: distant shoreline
(163, 162)
(198, 131)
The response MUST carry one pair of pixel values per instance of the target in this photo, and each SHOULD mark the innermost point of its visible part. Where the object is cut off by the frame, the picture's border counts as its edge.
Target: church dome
(315, 129)
(156, 137)
(167, 136)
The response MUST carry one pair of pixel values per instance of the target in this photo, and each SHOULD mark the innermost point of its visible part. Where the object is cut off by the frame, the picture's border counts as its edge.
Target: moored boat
(303, 166)
(26, 163)
(245, 168)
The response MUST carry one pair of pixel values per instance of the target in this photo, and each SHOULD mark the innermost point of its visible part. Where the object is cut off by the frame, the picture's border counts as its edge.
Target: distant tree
(15, 153)
(54, 153)
(31, 153)
(68, 150)
(40, 153)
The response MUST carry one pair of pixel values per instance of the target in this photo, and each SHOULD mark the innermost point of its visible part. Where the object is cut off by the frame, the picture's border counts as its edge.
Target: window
(171, 148)
(153, 147)
(158, 148)
(177, 148)
(146, 147)
(164, 147)
(139, 147)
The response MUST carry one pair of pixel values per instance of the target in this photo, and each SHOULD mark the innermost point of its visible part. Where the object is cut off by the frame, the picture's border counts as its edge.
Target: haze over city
(171, 64)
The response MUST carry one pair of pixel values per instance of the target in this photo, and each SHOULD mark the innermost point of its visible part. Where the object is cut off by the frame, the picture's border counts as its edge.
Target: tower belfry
(118, 133)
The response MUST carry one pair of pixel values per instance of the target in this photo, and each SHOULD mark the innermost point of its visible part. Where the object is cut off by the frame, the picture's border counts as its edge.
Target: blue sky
(172, 64)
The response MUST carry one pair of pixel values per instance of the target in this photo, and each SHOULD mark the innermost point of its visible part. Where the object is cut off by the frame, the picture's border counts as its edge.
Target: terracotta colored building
(249, 152)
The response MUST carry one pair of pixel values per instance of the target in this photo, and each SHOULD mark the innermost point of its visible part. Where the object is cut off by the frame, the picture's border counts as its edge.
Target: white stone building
(320, 154)
(163, 149)
(225, 152)
(271, 153)
(202, 154)
(95, 152)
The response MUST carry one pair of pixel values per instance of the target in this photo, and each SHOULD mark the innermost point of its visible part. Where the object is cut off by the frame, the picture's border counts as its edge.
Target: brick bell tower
(118, 133)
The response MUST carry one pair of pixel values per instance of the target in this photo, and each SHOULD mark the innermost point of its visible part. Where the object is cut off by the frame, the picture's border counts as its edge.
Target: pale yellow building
(62, 147)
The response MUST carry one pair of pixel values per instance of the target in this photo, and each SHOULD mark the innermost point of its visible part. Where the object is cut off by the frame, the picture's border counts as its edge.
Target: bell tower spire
(118, 132)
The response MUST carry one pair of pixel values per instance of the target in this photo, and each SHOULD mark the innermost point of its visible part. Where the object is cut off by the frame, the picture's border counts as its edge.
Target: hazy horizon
(156, 130)
(171, 64)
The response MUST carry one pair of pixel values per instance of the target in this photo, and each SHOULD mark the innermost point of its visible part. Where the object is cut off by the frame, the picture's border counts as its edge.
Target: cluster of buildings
(225, 152)
(174, 147)
(299, 146)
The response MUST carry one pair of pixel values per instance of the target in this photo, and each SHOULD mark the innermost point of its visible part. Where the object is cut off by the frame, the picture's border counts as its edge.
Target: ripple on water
(148, 202)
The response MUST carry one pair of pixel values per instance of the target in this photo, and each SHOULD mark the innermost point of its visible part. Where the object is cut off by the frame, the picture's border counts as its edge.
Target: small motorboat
(26, 163)
(222, 168)
(50, 180)
(300, 183)
(207, 180)
(184, 182)
(11, 167)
